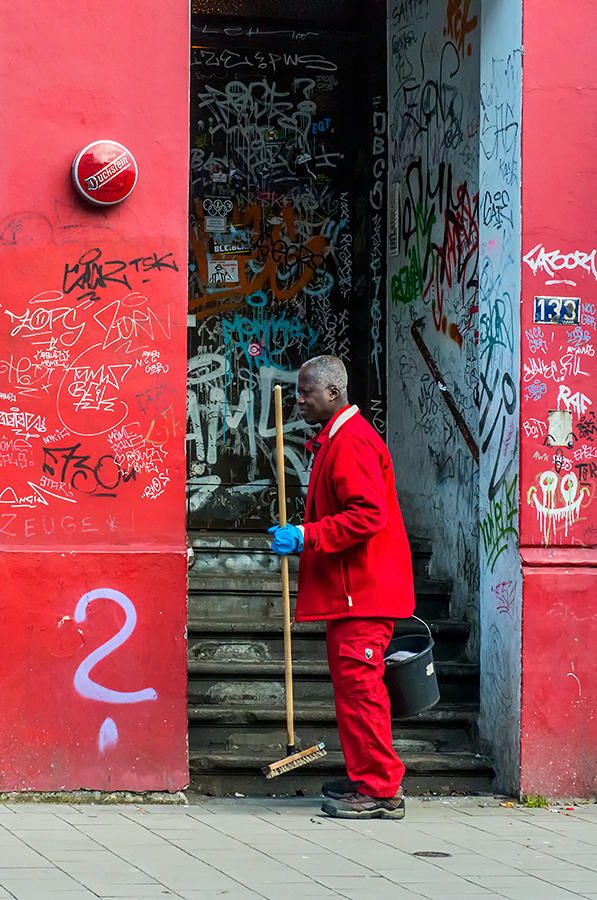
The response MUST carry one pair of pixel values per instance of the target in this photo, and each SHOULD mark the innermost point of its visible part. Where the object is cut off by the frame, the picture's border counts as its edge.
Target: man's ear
(334, 392)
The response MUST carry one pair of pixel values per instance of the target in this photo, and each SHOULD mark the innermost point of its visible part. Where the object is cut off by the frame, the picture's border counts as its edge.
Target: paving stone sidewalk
(285, 849)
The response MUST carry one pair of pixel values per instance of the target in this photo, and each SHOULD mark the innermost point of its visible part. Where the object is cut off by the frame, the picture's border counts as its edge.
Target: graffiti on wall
(89, 409)
(273, 202)
(498, 392)
(433, 135)
(108, 734)
(558, 419)
(499, 386)
(91, 436)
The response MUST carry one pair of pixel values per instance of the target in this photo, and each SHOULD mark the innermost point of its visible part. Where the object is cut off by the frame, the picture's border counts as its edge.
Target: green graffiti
(409, 283)
(498, 524)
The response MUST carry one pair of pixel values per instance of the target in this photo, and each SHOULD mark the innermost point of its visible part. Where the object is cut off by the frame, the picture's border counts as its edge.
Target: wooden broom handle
(284, 565)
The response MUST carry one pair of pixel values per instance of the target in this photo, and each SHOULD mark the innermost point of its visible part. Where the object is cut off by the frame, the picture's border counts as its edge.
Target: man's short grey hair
(329, 371)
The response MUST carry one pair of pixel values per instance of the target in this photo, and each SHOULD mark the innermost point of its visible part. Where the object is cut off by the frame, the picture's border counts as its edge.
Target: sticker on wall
(557, 310)
(274, 135)
(217, 206)
(238, 240)
(222, 272)
(215, 223)
(560, 428)
(104, 172)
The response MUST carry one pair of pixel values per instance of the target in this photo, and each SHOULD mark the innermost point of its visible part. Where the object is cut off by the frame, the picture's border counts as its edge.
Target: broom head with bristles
(294, 761)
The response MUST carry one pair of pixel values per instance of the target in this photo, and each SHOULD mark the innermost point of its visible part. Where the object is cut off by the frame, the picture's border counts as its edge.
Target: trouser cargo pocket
(359, 667)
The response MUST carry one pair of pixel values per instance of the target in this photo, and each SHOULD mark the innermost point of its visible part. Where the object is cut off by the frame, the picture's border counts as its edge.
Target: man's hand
(287, 539)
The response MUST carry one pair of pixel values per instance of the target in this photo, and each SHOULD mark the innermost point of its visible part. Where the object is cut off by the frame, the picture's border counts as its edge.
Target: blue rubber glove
(287, 539)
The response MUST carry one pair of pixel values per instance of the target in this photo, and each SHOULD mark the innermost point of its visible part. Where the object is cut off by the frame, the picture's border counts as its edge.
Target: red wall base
(93, 671)
(559, 687)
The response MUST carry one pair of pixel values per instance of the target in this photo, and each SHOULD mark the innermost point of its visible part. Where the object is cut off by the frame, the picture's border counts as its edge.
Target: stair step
(246, 582)
(224, 549)
(266, 648)
(247, 685)
(447, 628)
(420, 762)
(229, 639)
(227, 772)
(325, 714)
(254, 739)
(440, 728)
(204, 541)
(313, 669)
(273, 742)
(259, 596)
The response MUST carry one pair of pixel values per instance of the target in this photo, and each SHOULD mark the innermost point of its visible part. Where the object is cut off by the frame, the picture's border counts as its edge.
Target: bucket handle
(423, 623)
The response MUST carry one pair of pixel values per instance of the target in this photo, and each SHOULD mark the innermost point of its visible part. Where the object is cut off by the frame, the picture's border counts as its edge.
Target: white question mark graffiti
(91, 689)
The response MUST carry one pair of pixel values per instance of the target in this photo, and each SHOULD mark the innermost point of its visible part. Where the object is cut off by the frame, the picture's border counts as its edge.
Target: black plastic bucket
(412, 682)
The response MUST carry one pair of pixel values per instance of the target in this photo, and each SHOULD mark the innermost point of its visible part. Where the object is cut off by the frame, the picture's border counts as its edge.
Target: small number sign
(557, 310)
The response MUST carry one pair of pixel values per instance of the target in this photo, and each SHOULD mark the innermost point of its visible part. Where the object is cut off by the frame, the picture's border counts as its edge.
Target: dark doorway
(287, 235)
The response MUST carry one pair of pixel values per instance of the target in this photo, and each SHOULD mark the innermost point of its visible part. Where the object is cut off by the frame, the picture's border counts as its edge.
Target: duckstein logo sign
(104, 172)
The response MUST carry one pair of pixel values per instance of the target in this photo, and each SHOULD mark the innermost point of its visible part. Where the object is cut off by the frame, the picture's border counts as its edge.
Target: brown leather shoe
(361, 806)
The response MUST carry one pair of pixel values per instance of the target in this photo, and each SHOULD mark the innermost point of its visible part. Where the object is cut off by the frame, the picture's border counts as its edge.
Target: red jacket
(356, 560)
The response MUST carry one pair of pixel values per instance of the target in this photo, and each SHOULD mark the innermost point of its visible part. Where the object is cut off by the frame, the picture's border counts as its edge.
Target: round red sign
(104, 172)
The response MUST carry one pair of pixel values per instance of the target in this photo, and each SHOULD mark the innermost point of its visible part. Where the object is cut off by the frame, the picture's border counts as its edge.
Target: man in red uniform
(355, 571)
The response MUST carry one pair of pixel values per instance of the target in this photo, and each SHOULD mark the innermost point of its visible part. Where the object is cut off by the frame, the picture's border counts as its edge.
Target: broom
(292, 760)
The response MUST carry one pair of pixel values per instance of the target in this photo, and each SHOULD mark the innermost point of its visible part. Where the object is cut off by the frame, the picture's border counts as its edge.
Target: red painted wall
(559, 372)
(92, 401)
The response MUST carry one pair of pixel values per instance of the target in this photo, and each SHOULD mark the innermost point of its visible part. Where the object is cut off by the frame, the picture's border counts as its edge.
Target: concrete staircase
(236, 681)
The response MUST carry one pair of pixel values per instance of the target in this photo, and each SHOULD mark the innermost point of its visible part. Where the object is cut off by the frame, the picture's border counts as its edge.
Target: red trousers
(355, 655)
